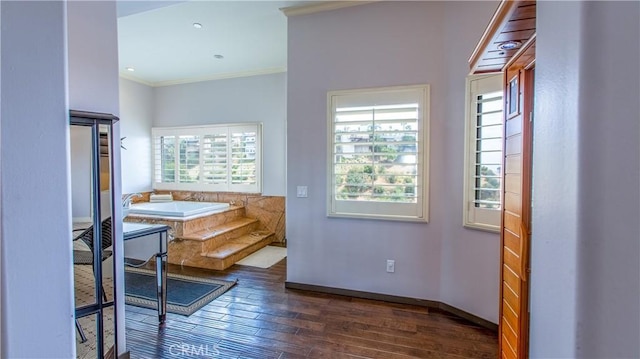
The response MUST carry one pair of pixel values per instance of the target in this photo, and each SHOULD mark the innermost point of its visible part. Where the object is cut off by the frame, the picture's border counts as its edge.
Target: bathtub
(179, 209)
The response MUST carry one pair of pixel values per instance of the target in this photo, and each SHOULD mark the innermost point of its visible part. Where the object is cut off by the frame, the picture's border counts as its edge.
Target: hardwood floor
(259, 318)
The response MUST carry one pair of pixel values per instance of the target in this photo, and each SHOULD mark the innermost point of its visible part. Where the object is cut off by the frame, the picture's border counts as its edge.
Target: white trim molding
(220, 76)
(135, 79)
(316, 7)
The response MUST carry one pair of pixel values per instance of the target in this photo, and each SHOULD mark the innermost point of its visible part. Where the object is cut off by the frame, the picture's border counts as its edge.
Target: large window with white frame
(484, 143)
(378, 153)
(219, 158)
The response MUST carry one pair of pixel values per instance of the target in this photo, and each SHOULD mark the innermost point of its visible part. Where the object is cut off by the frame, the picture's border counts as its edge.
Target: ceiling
(512, 25)
(157, 39)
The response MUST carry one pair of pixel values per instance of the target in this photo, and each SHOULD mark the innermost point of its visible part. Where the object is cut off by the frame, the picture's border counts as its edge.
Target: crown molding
(229, 75)
(320, 7)
(126, 76)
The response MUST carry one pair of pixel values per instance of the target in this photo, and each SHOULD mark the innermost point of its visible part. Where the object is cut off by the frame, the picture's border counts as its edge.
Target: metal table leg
(161, 278)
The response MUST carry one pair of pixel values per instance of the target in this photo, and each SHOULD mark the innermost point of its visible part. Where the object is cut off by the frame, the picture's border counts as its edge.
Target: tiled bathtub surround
(269, 210)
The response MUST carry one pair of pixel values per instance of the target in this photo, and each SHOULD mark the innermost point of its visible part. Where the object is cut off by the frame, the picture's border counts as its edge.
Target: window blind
(378, 153)
(488, 129)
(215, 158)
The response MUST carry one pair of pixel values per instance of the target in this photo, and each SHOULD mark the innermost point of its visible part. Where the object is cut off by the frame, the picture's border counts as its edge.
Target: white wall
(385, 44)
(586, 236)
(93, 86)
(37, 280)
(609, 248)
(244, 99)
(136, 118)
(470, 258)
(555, 152)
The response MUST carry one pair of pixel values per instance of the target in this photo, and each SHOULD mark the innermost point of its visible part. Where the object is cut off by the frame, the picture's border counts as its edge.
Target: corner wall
(37, 280)
(585, 234)
(609, 287)
(470, 258)
(384, 44)
(136, 120)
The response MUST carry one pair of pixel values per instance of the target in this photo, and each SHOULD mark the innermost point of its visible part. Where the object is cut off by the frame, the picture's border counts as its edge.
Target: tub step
(219, 230)
(235, 249)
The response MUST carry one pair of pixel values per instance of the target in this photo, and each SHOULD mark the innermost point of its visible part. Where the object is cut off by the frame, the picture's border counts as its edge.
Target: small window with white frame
(483, 159)
(217, 158)
(378, 153)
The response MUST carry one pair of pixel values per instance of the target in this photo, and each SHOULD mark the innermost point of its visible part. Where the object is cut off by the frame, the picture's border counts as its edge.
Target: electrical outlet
(391, 266)
(302, 191)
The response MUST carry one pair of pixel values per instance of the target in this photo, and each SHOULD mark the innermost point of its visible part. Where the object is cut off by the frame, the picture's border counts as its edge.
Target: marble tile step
(219, 230)
(234, 250)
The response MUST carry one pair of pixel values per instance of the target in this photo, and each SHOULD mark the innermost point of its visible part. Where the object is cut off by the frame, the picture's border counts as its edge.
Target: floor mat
(264, 258)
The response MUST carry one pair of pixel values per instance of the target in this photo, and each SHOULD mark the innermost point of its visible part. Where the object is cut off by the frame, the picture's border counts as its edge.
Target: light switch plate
(302, 191)
(391, 265)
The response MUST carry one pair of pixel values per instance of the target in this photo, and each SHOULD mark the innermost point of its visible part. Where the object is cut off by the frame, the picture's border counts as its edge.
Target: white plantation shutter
(378, 153)
(483, 172)
(164, 158)
(381, 143)
(189, 159)
(242, 158)
(242, 153)
(213, 158)
(488, 151)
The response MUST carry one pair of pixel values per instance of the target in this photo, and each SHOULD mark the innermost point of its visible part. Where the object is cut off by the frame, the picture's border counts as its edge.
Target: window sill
(378, 217)
(483, 227)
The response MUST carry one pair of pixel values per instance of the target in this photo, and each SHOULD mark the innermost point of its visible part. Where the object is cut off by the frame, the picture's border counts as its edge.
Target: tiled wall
(269, 210)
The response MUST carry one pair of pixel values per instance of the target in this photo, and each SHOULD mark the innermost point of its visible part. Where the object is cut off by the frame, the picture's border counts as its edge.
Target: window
(378, 153)
(222, 158)
(484, 138)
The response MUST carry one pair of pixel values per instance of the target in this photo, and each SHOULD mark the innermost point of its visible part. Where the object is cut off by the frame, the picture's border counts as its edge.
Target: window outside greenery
(378, 154)
(375, 153)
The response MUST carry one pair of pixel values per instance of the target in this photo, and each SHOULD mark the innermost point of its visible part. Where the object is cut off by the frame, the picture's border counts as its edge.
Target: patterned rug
(84, 293)
(185, 294)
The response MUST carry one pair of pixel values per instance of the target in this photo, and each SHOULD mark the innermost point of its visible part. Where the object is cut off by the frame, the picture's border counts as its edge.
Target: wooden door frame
(527, 186)
(521, 65)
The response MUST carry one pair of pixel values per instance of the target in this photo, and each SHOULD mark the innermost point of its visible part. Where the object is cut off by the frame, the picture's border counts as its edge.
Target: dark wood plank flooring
(259, 318)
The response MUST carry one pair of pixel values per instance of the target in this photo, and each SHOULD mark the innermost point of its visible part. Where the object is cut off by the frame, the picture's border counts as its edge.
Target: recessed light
(509, 45)
(130, 69)
(218, 56)
(197, 25)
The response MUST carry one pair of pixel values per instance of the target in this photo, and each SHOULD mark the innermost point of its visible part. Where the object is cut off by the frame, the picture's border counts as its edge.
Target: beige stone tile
(268, 210)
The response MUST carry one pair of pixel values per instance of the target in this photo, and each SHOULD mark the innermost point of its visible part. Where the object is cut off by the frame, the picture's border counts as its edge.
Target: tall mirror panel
(92, 181)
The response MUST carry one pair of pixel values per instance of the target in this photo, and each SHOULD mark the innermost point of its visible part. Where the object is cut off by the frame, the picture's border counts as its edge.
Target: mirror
(91, 182)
